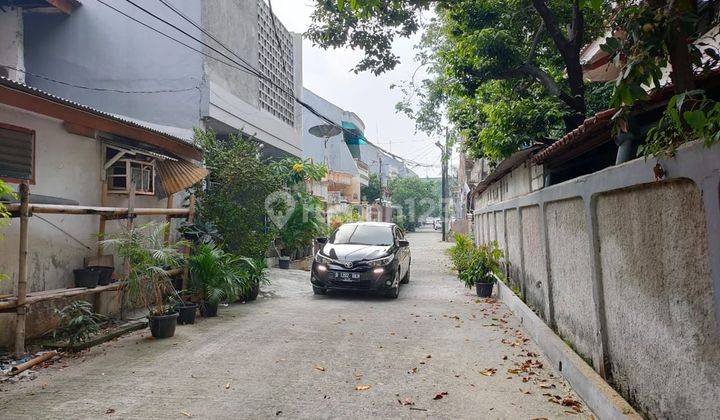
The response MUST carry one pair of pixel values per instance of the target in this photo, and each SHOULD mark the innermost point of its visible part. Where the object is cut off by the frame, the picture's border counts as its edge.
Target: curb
(600, 397)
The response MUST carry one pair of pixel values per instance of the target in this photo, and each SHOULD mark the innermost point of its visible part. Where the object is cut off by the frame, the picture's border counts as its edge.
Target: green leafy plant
(689, 116)
(348, 216)
(482, 264)
(148, 257)
(77, 323)
(200, 232)
(5, 192)
(306, 220)
(253, 271)
(217, 276)
(233, 199)
(461, 252)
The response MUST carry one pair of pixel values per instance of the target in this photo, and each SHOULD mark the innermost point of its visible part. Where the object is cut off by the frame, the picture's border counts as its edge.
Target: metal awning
(178, 175)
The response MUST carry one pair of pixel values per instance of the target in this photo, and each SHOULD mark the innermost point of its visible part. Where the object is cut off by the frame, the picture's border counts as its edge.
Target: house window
(124, 172)
(17, 154)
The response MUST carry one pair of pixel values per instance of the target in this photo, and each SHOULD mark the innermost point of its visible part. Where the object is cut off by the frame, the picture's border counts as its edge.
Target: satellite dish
(325, 130)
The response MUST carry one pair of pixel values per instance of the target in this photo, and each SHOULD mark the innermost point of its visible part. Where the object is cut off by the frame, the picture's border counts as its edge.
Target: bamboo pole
(109, 212)
(101, 229)
(32, 362)
(22, 271)
(186, 251)
(168, 219)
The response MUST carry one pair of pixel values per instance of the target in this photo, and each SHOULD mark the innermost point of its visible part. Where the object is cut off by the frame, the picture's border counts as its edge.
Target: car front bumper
(336, 277)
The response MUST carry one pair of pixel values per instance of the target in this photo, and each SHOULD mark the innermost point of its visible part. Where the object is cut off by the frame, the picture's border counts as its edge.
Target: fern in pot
(148, 259)
(216, 276)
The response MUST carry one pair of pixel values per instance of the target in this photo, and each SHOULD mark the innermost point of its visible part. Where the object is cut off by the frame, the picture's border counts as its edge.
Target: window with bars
(276, 63)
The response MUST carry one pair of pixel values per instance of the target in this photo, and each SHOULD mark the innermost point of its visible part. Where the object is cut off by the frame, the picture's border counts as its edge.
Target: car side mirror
(403, 243)
(321, 240)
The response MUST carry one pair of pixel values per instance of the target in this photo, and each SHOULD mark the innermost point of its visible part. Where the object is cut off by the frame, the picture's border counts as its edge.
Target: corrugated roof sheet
(506, 166)
(179, 175)
(133, 123)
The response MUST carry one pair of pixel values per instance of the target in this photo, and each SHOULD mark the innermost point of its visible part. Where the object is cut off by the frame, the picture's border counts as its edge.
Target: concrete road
(436, 352)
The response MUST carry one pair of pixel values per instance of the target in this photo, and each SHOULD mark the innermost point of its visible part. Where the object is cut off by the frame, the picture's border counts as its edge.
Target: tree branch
(551, 24)
(536, 41)
(578, 26)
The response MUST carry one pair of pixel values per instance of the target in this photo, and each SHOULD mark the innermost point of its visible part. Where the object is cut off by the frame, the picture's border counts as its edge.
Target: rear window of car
(363, 235)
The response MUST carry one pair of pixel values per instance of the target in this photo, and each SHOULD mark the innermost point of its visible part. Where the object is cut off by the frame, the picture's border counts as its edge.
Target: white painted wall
(66, 166)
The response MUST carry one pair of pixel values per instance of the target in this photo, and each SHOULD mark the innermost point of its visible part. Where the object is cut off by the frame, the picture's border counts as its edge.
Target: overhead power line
(242, 66)
(60, 82)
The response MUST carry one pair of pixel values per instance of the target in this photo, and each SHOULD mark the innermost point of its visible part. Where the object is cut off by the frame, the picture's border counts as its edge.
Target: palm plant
(148, 258)
(216, 275)
(77, 322)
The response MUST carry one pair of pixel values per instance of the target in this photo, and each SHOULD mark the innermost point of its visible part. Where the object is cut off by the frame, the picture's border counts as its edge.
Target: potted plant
(148, 258)
(481, 268)
(216, 276)
(253, 276)
(186, 310)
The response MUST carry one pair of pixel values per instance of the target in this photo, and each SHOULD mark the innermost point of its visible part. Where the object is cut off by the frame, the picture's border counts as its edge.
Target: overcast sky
(327, 73)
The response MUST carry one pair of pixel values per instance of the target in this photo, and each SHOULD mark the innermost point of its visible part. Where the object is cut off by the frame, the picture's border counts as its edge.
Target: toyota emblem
(349, 264)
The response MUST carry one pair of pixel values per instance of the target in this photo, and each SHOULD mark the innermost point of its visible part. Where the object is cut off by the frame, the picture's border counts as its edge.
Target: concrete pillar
(12, 53)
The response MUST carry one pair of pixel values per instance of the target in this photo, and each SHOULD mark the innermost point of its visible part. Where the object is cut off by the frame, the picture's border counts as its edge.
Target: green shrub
(216, 275)
(233, 200)
(77, 323)
(461, 253)
(482, 264)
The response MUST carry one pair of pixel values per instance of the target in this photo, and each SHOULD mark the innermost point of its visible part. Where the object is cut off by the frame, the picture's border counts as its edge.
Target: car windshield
(363, 235)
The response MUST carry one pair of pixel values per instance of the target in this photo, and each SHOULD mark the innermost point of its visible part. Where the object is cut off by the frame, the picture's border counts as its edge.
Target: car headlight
(322, 259)
(381, 261)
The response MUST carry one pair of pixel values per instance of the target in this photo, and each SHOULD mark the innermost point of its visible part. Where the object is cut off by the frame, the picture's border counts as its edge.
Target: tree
(373, 190)
(234, 198)
(651, 37)
(513, 40)
(416, 197)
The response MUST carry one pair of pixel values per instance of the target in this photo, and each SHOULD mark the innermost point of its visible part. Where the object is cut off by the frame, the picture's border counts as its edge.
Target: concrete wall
(571, 276)
(627, 270)
(654, 262)
(67, 166)
(535, 272)
(98, 47)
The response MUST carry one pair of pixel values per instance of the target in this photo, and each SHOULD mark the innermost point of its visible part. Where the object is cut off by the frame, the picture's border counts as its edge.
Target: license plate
(347, 276)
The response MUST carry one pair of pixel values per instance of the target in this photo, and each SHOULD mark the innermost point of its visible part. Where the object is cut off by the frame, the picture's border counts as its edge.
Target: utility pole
(444, 156)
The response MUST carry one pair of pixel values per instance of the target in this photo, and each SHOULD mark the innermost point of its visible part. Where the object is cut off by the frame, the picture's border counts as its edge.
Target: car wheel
(393, 293)
(319, 290)
(406, 279)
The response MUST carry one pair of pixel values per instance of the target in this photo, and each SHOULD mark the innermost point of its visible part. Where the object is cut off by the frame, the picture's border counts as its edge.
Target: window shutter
(16, 153)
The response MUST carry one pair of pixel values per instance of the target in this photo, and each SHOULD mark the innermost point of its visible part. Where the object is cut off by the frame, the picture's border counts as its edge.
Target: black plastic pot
(186, 313)
(484, 289)
(208, 309)
(163, 326)
(284, 263)
(252, 294)
(86, 277)
(105, 274)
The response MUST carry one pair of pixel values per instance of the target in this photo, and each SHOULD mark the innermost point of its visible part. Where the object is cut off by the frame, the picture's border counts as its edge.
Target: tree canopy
(506, 73)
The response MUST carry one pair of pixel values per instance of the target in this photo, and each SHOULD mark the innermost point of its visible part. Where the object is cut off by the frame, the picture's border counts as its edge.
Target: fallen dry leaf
(362, 387)
(227, 385)
(186, 414)
(489, 371)
(547, 386)
(440, 395)
(413, 370)
(406, 401)
(429, 356)
(109, 411)
(320, 368)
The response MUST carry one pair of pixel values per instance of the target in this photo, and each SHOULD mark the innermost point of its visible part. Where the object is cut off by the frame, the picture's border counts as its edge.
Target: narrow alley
(437, 351)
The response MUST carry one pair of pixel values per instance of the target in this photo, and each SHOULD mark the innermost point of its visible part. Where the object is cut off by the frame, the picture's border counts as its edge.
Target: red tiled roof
(601, 119)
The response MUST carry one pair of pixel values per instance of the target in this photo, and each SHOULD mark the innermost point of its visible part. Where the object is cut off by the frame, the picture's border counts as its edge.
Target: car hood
(353, 252)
